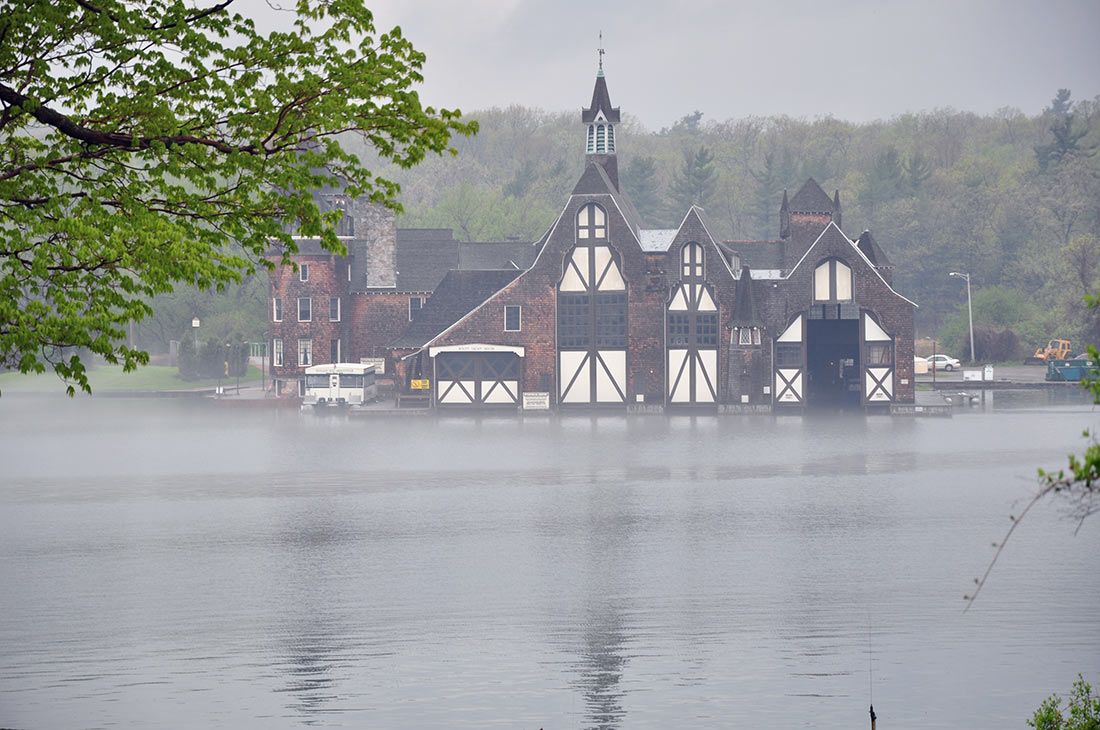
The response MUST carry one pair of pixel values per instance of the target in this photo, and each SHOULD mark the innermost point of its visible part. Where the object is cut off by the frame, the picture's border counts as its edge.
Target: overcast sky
(853, 59)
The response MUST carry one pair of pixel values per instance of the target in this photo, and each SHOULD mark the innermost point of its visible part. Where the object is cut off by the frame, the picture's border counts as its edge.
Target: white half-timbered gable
(592, 316)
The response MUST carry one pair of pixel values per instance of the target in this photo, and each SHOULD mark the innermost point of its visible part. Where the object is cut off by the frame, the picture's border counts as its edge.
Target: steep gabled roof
(457, 295)
(871, 250)
(424, 256)
(496, 255)
(594, 181)
(745, 313)
(601, 102)
(833, 232)
(701, 216)
(758, 254)
(810, 198)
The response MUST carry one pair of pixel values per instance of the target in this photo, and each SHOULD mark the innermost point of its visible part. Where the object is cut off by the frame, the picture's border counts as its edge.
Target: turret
(600, 120)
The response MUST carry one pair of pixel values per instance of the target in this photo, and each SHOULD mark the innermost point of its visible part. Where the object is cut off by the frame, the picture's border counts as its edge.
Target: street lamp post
(263, 365)
(969, 309)
(195, 326)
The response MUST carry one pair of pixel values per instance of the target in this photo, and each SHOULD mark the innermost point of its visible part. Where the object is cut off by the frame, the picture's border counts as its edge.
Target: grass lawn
(110, 377)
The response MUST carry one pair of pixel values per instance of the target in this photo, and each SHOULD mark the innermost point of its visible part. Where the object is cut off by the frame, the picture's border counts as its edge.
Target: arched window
(691, 261)
(610, 138)
(591, 223)
(833, 281)
(601, 139)
(591, 139)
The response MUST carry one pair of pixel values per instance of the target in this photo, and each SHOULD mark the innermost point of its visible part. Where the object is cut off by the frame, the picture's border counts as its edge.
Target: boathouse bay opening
(832, 361)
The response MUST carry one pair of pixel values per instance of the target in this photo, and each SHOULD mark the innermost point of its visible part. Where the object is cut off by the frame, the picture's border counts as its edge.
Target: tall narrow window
(591, 138)
(512, 318)
(610, 138)
(303, 272)
(601, 138)
(334, 351)
(277, 353)
(304, 314)
(415, 305)
(277, 309)
(305, 353)
(334, 309)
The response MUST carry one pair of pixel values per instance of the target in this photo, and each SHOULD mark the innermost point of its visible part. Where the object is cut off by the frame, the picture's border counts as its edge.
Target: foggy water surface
(168, 564)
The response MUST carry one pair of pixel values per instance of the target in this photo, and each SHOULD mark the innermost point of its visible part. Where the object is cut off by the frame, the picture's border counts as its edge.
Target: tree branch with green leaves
(145, 145)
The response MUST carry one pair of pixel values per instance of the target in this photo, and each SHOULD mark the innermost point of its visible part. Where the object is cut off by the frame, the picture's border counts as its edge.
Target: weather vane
(601, 51)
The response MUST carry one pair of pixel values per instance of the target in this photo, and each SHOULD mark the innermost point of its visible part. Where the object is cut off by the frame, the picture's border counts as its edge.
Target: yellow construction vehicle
(1055, 350)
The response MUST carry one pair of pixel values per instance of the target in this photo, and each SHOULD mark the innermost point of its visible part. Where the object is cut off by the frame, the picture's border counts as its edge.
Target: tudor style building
(603, 312)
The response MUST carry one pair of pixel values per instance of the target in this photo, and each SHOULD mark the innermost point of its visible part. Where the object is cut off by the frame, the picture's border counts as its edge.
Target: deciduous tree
(148, 144)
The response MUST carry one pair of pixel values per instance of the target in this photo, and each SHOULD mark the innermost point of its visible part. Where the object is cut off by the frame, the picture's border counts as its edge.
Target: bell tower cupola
(599, 121)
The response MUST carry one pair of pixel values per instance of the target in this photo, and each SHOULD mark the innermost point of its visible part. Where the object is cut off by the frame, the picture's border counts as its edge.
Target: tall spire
(599, 120)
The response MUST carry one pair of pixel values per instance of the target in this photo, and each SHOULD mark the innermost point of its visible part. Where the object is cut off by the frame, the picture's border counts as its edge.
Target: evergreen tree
(777, 174)
(917, 171)
(696, 182)
(639, 179)
(1067, 138)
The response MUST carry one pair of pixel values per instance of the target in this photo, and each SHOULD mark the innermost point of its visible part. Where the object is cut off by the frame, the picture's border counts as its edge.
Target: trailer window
(351, 380)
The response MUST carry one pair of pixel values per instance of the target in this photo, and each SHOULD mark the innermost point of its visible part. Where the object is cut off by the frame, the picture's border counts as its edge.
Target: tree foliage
(1081, 712)
(970, 195)
(149, 144)
(696, 180)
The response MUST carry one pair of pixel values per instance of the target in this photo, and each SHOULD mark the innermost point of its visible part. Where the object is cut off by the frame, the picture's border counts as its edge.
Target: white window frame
(338, 307)
(519, 318)
(276, 309)
(744, 336)
(411, 310)
(828, 277)
(277, 352)
(309, 306)
(305, 353)
(303, 272)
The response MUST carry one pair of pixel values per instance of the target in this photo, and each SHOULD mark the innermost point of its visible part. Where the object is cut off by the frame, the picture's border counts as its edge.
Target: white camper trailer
(339, 384)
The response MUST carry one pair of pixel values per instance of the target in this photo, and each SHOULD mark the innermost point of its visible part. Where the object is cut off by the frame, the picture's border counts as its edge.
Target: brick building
(603, 312)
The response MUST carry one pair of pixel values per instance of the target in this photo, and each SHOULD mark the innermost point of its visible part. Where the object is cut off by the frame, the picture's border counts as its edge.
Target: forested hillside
(1012, 199)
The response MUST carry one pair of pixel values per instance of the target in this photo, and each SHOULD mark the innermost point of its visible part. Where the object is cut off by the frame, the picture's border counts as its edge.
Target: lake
(169, 564)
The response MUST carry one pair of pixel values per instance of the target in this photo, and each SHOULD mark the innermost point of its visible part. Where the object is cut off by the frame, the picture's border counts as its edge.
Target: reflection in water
(206, 567)
(313, 635)
(601, 669)
(608, 545)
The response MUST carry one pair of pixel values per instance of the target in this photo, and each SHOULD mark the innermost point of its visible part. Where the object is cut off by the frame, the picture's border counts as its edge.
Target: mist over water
(169, 564)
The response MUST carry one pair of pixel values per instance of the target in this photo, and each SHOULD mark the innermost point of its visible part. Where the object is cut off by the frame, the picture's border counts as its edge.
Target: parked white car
(943, 362)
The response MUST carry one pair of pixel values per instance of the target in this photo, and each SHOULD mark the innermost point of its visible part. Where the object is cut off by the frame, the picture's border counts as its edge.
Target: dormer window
(833, 281)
